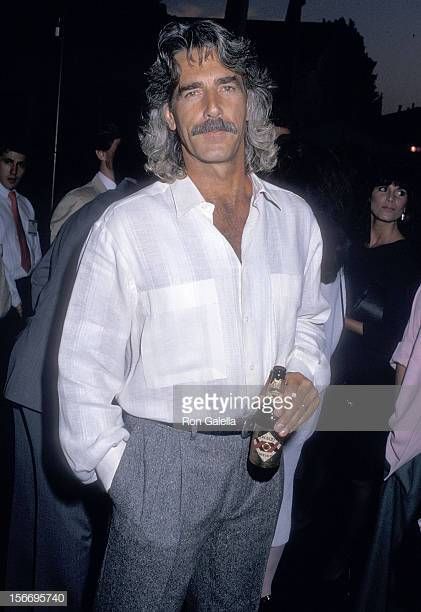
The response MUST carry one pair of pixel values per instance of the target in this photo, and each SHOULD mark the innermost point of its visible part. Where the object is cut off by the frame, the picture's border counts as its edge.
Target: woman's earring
(403, 216)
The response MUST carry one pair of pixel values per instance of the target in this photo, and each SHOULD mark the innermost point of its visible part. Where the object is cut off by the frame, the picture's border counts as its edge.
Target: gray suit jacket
(32, 374)
(73, 201)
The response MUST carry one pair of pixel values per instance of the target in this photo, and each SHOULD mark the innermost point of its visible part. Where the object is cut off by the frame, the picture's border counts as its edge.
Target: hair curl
(160, 145)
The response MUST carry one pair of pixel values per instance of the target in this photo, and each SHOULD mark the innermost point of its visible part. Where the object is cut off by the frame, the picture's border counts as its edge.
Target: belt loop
(193, 431)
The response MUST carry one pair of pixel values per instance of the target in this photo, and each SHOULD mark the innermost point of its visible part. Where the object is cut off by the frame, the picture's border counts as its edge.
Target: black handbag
(370, 305)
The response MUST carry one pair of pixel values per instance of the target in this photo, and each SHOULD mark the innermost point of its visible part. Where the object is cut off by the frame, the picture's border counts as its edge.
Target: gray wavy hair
(161, 145)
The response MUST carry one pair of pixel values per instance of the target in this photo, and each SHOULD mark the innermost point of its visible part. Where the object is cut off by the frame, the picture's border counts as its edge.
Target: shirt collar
(5, 192)
(107, 182)
(187, 196)
(261, 188)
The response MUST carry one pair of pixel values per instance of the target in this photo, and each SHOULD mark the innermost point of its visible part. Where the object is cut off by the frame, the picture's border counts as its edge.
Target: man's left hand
(305, 399)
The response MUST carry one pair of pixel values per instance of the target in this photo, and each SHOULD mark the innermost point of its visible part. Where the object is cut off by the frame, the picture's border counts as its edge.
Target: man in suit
(106, 143)
(54, 519)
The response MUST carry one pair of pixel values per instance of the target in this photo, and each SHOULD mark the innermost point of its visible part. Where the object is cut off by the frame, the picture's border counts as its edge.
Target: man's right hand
(19, 309)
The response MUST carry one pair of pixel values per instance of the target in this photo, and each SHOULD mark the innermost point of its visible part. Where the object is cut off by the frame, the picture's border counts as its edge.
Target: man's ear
(169, 118)
(100, 154)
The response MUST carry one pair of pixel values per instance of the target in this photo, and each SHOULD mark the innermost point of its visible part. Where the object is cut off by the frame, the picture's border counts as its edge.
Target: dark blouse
(381, 284)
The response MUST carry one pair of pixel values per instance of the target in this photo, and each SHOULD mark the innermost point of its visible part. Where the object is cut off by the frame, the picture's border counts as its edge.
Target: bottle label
(266, 446)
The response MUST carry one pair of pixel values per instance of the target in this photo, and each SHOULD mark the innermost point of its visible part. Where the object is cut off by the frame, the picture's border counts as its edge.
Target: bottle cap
(278, 373)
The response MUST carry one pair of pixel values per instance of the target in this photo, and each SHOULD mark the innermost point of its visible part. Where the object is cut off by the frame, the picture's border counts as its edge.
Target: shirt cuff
(107, 467)
(14, 294)
(401, 355)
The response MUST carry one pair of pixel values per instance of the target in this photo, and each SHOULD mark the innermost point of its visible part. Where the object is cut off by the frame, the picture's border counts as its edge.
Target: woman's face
(388, 202)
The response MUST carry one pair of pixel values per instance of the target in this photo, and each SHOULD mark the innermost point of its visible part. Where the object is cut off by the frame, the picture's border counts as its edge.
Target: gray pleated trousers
(189, 524)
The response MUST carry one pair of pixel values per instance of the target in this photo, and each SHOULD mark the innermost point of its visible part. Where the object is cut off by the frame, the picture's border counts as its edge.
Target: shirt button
(252, 367)
(246, 319)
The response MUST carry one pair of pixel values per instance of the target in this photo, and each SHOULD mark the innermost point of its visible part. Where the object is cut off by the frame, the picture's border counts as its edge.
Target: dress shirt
(404, 441)
(107, 182)
(5, 301)
(161, 299)
(10, 242)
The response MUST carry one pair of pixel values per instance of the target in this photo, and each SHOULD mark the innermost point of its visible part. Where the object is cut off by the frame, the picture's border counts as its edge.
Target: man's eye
(191, 93)
(382, 188)
(228, 88)
(401, 193)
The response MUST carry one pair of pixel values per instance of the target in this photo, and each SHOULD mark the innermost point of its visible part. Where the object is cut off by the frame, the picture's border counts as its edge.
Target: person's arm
(36, 245)
(5, 301)
(95, 358)
(14, 293)
(383, 335)
(355, 326)
(307, 366)
(404, 349)
(308, 356)
(400, 373)
(38, 252)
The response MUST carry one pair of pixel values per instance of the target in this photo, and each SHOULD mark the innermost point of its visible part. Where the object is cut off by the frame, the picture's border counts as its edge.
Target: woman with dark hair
(382, 274)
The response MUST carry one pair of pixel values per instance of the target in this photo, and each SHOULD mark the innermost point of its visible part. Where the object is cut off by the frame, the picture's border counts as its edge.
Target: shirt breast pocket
(286, 296)
(182, 340)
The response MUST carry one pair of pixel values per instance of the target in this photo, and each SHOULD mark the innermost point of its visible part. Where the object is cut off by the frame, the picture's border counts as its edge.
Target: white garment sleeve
(5, 300)
(404, 349)
(308, 355)
(95, 358)
(14, 293)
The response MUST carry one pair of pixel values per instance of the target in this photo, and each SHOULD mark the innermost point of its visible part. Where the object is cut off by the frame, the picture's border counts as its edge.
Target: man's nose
(13, 169)
(212, 104)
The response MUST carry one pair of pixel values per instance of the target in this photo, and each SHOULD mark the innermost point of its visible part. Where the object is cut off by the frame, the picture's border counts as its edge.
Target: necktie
(25, 257)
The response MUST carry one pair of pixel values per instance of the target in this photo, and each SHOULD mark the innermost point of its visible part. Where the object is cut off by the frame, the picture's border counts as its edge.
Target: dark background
(326, 86)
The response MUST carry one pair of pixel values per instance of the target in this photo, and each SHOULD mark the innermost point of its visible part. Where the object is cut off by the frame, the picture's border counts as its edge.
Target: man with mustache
(209, 277)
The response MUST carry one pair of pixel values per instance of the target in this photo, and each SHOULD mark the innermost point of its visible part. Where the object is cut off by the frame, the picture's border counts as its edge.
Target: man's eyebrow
(232, 78)
(10, 160)
(229, 79)
(182, 88)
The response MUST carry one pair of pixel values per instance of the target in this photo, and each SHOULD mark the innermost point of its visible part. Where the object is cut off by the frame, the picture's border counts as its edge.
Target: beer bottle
(265, 444)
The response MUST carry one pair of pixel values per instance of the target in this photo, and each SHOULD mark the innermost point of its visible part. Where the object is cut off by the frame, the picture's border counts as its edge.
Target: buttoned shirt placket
(243, 282)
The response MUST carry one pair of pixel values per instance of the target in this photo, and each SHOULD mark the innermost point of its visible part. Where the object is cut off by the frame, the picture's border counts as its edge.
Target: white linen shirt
(161, 299)
(10, 242)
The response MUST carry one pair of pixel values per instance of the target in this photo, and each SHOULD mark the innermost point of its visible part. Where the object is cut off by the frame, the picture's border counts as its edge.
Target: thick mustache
(214, 125)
